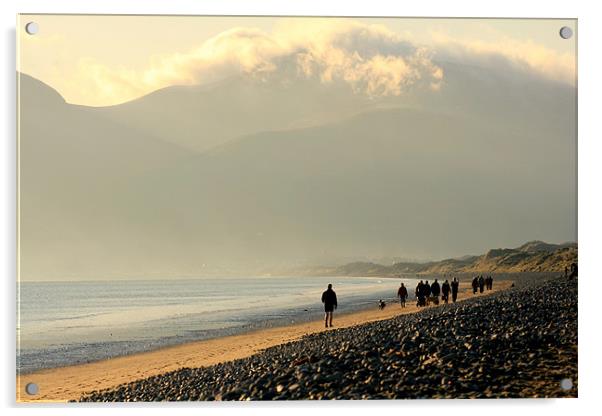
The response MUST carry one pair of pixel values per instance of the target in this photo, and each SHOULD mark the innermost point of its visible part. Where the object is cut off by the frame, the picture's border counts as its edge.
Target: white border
(590, 202)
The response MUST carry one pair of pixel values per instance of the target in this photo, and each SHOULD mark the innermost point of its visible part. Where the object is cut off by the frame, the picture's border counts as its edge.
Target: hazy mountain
(375, 182)
(246, 177)
(509, 260)
(202, 117)
(70, 164)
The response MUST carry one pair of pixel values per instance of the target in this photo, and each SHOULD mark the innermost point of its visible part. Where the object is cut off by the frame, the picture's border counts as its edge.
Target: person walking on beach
(573, 271)
(402, 293)
(445, 289)
(420, 294)
(435, 291)
(427, 292)
(481, 284)
(329, 299)
(454, 289)
(475, 285)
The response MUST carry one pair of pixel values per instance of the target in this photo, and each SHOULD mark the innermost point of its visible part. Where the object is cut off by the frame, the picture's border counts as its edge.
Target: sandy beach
(69, 383)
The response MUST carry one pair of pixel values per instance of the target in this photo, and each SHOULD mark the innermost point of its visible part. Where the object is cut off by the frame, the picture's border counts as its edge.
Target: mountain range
(242, 177)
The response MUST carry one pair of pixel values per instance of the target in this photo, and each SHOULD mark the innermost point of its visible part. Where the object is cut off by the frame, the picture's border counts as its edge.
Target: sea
(65, 323)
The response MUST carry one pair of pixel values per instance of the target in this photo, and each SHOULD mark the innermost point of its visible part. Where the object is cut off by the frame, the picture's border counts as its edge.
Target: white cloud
(524, 55)
(370, 58)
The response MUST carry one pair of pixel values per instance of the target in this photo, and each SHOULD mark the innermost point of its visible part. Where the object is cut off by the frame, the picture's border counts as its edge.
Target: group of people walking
(425, 294)
(480, 283)
(429, 293)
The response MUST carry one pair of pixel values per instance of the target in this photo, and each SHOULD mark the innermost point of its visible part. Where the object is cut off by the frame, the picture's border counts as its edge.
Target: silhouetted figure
(329, 299)
(490, 283)
(420, 294)
(455, 285)
(573, 271)
(475, 285)
(402, 294)
(435, 291)
(381, 304)
(445, 289)
(481, 284)
(566, 272)
(427, 292)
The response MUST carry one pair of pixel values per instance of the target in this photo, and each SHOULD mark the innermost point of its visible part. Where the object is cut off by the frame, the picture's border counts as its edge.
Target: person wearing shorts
(329, 299)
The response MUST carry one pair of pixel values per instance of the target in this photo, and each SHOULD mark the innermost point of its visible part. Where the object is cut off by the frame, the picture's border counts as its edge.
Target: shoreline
(71, 382)
(513, 343)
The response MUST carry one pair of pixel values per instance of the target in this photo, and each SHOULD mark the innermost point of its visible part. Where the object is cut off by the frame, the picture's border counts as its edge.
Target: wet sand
(69, 383)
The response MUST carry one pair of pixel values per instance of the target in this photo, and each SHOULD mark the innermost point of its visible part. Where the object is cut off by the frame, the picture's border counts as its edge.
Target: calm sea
(62, 323)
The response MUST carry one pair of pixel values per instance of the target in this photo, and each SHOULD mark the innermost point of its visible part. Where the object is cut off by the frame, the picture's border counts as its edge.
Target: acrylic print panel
(189, 187)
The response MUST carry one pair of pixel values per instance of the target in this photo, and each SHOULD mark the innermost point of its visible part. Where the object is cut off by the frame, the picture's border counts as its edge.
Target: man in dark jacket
(402, 294)
(427, 292)
(481, 284)
(445, 289)
(435, 291)
(454, 289)
(329, 299)
(420, 294)
(475, 285)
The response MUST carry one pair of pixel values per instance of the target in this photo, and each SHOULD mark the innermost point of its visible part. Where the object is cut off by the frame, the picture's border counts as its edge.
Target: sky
(100, 60)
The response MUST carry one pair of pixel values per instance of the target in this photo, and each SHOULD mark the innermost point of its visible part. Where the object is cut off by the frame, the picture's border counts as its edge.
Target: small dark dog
(381, 304)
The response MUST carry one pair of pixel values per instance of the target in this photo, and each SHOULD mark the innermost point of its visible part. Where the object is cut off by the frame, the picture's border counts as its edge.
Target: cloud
(524, 55)
(371, 59)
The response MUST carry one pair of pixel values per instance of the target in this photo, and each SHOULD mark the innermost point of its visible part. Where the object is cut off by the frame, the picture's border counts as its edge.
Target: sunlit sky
(106, 60)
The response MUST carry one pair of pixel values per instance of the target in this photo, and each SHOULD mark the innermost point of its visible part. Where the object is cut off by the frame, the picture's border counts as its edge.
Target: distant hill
(245, 177)
(542, 247)
(534, 256)
(199, 118)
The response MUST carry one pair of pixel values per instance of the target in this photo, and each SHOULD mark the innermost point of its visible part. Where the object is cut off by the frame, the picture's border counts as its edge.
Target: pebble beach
(516, 343)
